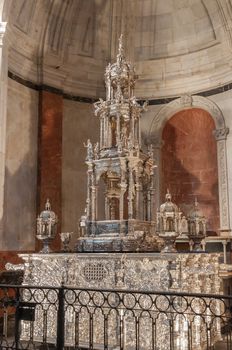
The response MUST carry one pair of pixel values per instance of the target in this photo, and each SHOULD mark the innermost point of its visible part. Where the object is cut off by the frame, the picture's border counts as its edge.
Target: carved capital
(155, 141)
(221, 134)
(186, 100)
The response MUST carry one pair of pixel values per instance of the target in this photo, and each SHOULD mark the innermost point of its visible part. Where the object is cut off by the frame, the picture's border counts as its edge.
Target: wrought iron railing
(45, 317)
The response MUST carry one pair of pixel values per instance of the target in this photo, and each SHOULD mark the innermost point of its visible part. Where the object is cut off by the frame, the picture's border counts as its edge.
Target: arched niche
(189, 163)
(221, 131)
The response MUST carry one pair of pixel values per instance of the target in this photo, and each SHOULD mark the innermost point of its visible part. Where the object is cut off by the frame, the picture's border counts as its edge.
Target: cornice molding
(156, 101)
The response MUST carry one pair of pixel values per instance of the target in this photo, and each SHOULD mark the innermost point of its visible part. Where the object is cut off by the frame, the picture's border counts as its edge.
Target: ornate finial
(196, 202)
(120, 48)
(168, 195)
(120, 54)
(48, 205)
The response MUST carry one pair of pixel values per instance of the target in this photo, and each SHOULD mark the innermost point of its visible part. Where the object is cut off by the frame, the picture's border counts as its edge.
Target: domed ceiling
(177, 46)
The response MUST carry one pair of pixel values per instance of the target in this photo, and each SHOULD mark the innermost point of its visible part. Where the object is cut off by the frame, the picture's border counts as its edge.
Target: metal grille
(94, 272)
(48, 318)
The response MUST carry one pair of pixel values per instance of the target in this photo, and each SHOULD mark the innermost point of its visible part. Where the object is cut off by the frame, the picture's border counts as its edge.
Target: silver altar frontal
(145, 272)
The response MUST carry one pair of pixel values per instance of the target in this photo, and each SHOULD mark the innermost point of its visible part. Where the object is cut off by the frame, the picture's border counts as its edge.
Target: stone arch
(220, 133)
(184, 102)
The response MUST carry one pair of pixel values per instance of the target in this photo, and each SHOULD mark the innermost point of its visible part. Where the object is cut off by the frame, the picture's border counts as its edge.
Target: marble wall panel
(50, 155)
(79, 124)
(21, 169)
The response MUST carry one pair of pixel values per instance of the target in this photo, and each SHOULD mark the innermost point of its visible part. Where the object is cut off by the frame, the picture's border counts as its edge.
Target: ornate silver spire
(120, 168)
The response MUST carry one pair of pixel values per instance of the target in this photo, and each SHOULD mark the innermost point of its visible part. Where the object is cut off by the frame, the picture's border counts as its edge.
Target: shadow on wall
(189, 164)
(19, 223)
(19, 216)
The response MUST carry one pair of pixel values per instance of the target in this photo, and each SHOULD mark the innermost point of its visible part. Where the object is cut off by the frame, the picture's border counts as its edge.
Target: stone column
(220, 135)
(3, 115)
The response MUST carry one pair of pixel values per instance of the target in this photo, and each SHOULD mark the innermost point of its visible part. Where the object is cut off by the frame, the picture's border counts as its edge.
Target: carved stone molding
(185, 101)
(221, 134)
(223, 185)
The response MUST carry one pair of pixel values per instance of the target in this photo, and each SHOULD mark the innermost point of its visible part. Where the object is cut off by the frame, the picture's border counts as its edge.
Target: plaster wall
(79, 124)
(21, 168)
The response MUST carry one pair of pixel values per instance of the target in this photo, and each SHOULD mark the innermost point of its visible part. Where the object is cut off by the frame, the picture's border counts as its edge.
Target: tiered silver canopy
(120, 174)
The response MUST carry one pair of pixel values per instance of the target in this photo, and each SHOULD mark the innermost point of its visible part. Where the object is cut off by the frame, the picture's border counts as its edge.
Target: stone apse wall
(58, 170)
(189, 163)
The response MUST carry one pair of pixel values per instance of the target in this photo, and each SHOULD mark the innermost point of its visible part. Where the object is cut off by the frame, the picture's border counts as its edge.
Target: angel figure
(89, 147)
(96, 150)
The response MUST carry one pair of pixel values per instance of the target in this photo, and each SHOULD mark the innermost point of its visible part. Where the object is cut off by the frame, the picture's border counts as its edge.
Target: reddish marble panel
(189, 163)
(11, 257)
(50, 155)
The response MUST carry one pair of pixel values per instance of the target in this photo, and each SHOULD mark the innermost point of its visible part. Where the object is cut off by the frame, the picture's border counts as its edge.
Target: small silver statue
(65, 238)
(96, 150)
(89, 147)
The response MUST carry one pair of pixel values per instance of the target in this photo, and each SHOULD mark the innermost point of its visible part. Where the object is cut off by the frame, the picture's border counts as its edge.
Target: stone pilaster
(220, 136)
